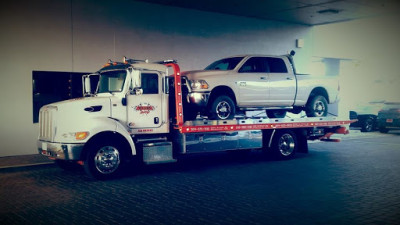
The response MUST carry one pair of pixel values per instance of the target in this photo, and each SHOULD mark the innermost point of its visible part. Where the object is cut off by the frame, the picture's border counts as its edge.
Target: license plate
(389, 120)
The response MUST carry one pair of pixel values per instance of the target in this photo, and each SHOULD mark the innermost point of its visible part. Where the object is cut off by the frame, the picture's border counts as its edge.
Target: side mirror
(136, 79)
(86, 85)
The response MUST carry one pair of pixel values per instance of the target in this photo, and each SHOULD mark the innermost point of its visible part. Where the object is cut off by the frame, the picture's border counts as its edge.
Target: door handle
(289, 78)
(263, 78)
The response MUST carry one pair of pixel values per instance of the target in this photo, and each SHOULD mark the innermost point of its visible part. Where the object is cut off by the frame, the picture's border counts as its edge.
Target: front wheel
(104, 160)
(317, 106)
(284, 144)
(222, 108)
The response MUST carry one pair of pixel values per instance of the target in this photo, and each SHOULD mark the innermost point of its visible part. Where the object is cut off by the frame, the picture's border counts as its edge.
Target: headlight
(198, 84)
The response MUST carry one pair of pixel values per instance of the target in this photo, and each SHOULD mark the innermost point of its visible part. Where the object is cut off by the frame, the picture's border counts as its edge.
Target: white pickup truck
(254, 82)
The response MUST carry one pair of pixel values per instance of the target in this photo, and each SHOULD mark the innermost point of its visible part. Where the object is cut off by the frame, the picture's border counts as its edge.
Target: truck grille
(47, 123)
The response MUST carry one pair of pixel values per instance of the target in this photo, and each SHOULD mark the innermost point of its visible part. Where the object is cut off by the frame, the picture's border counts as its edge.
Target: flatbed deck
(197, 126)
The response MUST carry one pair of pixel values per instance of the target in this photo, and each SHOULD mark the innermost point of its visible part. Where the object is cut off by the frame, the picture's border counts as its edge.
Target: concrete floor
(355, 181)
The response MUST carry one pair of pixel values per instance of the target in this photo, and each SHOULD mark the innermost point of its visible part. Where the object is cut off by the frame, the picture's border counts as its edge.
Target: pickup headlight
(198, 84)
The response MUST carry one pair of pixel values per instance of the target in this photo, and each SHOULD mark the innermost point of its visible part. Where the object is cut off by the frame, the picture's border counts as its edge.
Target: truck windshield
(111, 81)
(224, 64)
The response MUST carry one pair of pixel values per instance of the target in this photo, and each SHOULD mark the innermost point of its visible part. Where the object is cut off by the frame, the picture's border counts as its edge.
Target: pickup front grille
(47, 123)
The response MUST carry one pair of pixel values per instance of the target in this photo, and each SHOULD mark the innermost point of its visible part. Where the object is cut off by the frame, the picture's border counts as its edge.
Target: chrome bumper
(199, 99)
(60, 150)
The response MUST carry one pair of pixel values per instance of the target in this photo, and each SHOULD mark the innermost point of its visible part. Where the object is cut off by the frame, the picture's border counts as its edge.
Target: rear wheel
(367, 125)
(284, 144)
(317, 106)
(222, 108)
(104, 160)
(276, 113)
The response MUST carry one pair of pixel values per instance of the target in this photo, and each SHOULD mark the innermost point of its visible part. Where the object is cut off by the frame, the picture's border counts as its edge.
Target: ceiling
(307, 12)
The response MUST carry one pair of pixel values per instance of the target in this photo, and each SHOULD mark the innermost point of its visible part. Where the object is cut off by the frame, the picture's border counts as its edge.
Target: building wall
(368, 49)
(77, 36)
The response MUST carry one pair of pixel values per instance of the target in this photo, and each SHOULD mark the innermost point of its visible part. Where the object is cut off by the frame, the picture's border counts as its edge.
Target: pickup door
(266, 81)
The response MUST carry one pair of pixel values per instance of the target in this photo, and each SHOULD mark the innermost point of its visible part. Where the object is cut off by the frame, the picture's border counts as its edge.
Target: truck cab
(131, 97)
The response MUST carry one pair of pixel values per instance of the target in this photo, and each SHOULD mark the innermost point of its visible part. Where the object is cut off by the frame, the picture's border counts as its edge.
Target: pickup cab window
(264, 65)
(276, 65)
(255, 65)
(224, 64)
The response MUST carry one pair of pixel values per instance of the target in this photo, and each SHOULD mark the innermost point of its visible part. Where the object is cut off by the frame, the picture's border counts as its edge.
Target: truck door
(282, 83)
(252, 82)
(146, 104)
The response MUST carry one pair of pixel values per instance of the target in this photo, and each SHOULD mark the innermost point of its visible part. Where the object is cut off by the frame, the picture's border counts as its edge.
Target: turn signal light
(81, 135)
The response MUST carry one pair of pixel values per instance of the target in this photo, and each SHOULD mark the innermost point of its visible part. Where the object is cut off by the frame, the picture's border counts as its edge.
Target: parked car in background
(258, 82)
(366, 115)
(389, 117)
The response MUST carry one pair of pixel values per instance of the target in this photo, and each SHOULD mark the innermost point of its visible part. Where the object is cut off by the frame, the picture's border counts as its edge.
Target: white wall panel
(82, 35)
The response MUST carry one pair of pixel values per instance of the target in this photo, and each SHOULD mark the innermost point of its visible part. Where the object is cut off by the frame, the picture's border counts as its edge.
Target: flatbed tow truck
(136, 115)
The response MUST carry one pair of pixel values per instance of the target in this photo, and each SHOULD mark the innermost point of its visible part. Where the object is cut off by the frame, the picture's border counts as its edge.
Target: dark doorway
(50, 86)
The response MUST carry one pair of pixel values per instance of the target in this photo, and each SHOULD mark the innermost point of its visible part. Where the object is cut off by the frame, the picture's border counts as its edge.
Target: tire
(383, 130)
(367, 125)
(276, 113)
(284, 144)
(68, 165)
(104, 160)
(222, 108)
(317, 106)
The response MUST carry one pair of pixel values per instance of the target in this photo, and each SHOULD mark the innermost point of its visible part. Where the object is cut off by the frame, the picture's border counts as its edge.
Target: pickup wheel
(276, 113)
(317, 106)
(222, 108)
(104, 159)
(284, 144)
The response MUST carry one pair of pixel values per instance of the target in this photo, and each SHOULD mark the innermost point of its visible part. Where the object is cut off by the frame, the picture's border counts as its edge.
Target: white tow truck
(136, 115)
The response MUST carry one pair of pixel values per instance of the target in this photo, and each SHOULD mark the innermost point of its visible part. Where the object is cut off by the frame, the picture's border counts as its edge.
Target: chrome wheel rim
(107, 159)
(286, 145)
(319, 108)
(223, 110)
